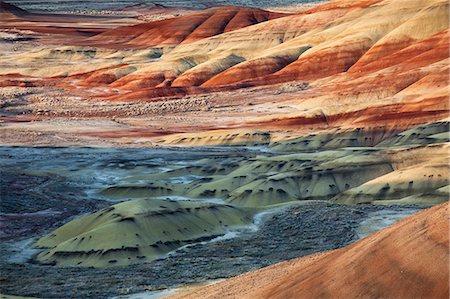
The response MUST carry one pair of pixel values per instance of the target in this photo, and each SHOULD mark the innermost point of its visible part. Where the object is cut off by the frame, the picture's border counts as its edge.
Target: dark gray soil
(296, 231)
(31, 205)
(42, 188)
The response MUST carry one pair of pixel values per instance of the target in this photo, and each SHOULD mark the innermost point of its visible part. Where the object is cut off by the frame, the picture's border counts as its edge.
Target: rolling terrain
(398, 174)
(398, 257)
(340, 104)
(277, 69)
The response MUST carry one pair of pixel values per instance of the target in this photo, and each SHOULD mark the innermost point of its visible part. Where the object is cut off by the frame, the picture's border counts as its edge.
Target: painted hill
(378, 64)
(298, 48)
(349, 49)
(184, 29)
(137, 231)
(406, 260)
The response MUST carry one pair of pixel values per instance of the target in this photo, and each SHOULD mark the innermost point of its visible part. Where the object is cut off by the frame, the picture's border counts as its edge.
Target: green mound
(317, 176)
(324, 166)
(407, 168)
(437, 132)
(137, 231)
(418, 184)
(329, 140)
(140, 190)
(264, 180)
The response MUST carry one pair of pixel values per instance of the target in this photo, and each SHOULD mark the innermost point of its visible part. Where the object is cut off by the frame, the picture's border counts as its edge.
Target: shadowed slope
(8, 10)
(406, 260)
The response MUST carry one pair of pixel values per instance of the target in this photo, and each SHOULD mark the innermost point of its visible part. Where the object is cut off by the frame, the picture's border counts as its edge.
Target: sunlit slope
(358, 59)
(397, 262)
(184, 29)
(353, 42)
(421, 176)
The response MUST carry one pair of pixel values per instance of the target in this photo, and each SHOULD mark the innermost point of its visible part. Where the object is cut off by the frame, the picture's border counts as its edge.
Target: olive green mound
(137, 231)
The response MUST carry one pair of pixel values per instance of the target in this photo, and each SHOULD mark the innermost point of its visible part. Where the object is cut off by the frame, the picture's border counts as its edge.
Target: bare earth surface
(387, 254)
(148, 146)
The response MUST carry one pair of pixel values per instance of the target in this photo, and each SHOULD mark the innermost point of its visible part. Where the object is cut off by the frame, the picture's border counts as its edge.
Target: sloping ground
(353, 166)
(247, 43)
(8, 10)
(300, 47)
(359, 35)
(406, 260)
(377, 64)
(352, 38)
(409, 167)
(77, 26)
(420, 179)
(137, 231)
(184, 29)
(264, 181)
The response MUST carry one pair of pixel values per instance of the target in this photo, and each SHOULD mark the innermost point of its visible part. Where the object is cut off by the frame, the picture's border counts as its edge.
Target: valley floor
(281, 233)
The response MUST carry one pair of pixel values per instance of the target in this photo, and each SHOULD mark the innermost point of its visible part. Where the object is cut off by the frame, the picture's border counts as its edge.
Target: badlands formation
(379, 266)
(345, 102)
(225, 75)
